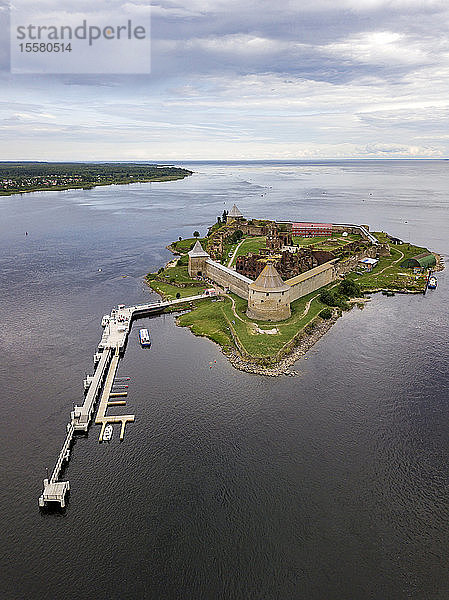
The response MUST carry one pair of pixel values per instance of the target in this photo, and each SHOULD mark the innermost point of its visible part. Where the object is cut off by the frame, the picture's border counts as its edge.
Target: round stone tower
(269, 297)
(197, 260)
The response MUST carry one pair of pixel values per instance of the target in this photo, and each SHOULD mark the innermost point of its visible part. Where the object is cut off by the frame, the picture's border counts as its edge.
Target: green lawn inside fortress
(217, 320)
(23, 177)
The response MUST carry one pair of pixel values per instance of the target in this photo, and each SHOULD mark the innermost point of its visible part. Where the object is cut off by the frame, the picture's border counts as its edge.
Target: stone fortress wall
(227, 278)
(269, 297)
(312, 280)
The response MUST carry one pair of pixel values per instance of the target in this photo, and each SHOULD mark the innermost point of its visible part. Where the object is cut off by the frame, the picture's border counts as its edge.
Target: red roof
(327, 225)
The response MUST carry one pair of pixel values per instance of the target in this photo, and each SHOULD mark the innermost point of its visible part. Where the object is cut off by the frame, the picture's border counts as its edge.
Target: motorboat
(144, 337)
(107, 433)
(432, 283)
(105, 320)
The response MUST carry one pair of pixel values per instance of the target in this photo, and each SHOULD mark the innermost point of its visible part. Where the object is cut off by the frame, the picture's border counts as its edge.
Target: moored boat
(432, 283)
(107, 433)
(144, 337)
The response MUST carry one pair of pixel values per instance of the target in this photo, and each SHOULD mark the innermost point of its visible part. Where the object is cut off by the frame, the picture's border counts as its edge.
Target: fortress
(269, 296)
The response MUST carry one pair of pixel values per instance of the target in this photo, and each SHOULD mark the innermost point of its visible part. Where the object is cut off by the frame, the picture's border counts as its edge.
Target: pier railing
(113, 341)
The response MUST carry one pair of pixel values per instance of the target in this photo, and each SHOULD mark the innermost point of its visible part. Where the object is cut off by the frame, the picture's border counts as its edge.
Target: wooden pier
(106, 360)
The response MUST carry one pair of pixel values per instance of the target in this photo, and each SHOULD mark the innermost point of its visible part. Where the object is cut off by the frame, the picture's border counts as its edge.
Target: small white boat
(107, 433)
(144, 337)
(432, 283)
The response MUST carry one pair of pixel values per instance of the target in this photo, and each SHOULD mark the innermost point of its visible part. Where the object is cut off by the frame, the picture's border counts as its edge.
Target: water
(331, 485)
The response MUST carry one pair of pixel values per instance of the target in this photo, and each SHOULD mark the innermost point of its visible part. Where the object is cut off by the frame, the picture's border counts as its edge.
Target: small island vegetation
(271, 347)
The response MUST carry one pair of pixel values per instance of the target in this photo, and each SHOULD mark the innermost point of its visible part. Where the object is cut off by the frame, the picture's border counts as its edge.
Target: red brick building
(312, 229)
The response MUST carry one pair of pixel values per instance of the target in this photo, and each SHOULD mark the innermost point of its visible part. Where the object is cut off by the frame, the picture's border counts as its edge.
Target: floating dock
(106, 359)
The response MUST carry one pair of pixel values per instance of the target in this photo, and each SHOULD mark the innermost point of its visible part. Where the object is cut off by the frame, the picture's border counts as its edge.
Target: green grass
(303, 241)
(169, 292)
(393, 277)
(251, 244)
(215, 320)
(187, 244)
(335, 241)
(208, 319)
(179, 274)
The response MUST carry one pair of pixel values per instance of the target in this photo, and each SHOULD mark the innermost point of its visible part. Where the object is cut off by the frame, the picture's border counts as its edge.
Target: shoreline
(282, 367)
(305, 339)
(89, 187)
(305, 342)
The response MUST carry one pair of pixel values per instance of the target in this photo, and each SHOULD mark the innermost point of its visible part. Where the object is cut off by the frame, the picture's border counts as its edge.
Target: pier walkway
(117, 326)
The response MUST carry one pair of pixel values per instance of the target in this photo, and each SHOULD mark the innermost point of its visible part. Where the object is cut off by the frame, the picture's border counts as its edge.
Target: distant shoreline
(91, 187)
(23, 178)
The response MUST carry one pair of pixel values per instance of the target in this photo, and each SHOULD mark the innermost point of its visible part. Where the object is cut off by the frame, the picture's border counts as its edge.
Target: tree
(326, 313)
(329, 297)
(219, 220)
(350, 288)
(178, 295)
(196, 234)
(180, 238)
(225, 216)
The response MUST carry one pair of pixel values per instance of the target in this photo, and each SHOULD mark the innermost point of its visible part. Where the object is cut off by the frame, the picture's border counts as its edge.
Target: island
(20, 177)
(271, 288)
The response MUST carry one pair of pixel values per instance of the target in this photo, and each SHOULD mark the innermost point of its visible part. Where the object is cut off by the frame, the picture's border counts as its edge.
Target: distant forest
(16, 177)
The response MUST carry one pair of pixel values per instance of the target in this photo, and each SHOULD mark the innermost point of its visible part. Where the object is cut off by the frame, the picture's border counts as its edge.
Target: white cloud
(317, 79)
(379, 48)
(403, 151)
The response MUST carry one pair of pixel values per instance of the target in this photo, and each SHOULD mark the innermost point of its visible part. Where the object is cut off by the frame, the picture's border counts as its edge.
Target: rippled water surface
(329, 486)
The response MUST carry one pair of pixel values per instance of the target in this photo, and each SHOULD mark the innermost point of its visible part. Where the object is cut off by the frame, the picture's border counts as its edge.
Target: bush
(333, 298)
(326, 313)
(349, 288)
(237, 235)
(329, 297)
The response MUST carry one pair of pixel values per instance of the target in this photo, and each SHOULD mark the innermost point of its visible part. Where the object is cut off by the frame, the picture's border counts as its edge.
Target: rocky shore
(305, 343)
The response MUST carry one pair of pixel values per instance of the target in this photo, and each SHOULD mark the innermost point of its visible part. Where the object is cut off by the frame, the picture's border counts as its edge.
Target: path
(231, 260)
(388, 266)
(393, 263)
(304, 313)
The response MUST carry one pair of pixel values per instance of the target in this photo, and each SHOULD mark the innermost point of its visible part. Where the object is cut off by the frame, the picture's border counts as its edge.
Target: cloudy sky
(247, 80)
